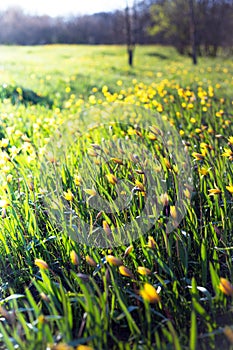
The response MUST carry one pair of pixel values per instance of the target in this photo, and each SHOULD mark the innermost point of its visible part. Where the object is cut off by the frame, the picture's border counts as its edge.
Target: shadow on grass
(158, 55)
(22, 95)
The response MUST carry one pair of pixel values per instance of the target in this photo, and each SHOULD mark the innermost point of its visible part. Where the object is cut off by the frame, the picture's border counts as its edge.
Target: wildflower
(230, 188)
(203, 171)
(4, 143)
(111, 179)
(90, 261)
(181, 132)
(198, 156)
(60, 346)
(228, 153)
(167, 163)
(128, 250)
(77, 180)
(106, 227)
(143, 270)
(214, 191)
(175, 169)
(117, 161)
(68, 195)
(44, 297)
(226, 287)
(41, 319)
(173, 211)
(228, 333)
(41, 264)
(124, 271)
(4, 203)
(151, 242)
(140, 186)
(74, 258)
(113, 260)
(230, 139)
(164, 199)
(84, 347)
(90, 191)
(187, 193)
(91, 152)
(150, 294)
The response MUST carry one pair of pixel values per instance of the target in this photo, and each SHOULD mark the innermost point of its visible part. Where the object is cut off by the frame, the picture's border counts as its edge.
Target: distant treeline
(152, 21)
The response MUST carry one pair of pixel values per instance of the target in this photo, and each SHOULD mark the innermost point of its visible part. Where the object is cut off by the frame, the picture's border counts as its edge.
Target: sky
(63, 8)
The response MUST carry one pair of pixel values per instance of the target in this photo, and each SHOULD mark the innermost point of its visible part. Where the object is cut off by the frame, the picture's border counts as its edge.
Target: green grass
(86, 300)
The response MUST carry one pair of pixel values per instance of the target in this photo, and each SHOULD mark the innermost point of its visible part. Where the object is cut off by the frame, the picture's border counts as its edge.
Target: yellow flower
(113, 260)
(173, 211)
(60, 346)
(84, 347)
(90, 261)
(106, 227)
(41, 264)
(140, 185)
(149, 293)
(164, 199)
(214, 191)
(77, 180)
(91, 152)
(228, 333)
(187, 193)
(124, 271)
(90, 191)
(151, 243)
(230, 188)
(117, 161)
(4, 143)
(128, 250)
(198, 156)
(226, 287)
(68, 195)
(181, 132)
(203, 171)
(227, 153)
(143, 270)
(111, 179)
(74, 257)
(4, 203)
(230, 139)
(167, 163)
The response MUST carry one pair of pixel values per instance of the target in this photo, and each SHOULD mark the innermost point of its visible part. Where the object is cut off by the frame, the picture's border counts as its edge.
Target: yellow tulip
(124, 271)
(113, 260)
(41, 264)
(226, 287)
(149, 293)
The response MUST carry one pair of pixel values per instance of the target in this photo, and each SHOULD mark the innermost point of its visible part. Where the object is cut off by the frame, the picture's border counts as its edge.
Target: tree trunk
(130, 40)
(192, 32)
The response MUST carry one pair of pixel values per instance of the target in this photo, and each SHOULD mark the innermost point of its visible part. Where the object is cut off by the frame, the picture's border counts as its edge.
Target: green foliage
(86, 300)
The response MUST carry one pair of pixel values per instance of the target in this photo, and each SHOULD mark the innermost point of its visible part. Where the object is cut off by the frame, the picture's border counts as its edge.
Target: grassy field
(157, 286)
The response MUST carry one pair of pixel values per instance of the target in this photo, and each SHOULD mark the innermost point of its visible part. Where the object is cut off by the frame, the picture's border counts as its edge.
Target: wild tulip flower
(144, 271)
(124, 271)
(230, 188)
(113, 260)
(149, 294)
(226, 287)
(41, 264)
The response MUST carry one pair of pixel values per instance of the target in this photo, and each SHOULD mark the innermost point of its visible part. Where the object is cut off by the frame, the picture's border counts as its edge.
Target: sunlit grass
(162, 290)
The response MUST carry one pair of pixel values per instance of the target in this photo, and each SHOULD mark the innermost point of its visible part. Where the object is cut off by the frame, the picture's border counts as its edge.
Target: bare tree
(192, 32)
(130, 32)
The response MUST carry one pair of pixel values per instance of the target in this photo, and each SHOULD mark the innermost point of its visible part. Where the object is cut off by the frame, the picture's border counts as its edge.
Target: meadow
(156, 288)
